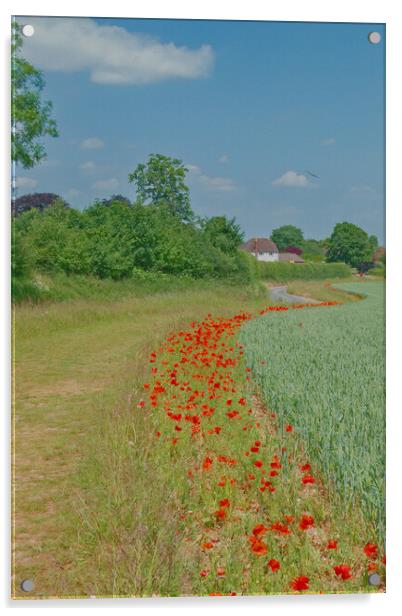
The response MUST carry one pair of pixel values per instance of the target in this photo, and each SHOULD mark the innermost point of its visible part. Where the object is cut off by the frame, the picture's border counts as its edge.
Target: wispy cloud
(294, 180)
(329, 141)
(26, 183)
(365, 188)
(224, 158)
(89, 166)
(110, 184)
(217, 183)
(111, 54)
(92, 143)
(73, 192)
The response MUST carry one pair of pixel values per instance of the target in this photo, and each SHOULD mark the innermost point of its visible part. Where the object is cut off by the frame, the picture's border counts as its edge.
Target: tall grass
(323, 371)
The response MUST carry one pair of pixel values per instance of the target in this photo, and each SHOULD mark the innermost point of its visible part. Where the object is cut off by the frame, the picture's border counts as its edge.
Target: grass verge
(97, 507)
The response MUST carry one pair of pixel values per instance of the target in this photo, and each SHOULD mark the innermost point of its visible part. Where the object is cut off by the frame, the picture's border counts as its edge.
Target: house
(262, 248)
(290, 257)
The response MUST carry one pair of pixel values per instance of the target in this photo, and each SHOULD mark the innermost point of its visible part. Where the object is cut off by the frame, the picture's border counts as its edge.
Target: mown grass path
(74, 362)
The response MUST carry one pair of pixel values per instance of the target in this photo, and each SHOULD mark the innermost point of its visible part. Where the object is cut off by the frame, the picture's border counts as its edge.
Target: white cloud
(73, 192)
(223, 159)
(210, 182)
(329, 141)
(92, 143)
(88, 166)
(111, 54)
(110, 184)
(294, 180)
(24, 182)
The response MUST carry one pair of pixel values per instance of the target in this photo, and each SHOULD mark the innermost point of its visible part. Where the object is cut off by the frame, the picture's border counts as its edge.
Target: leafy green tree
(161, 181)
(373, 243)
(313, 250)
(287, 235)
(349, 244)
(31, 117)
(224, 233)
(114, 198)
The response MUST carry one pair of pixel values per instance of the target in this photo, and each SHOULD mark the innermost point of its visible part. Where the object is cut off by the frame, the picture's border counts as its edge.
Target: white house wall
(268, 256)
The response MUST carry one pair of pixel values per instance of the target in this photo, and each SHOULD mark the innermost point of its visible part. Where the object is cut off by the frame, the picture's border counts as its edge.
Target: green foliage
(377, 271)
(322, 370)
(282, 271)
(118, 240)
(349, 244)
(287, 235)
(223, 233)
(373, 242)
(31, 117)
(161, 182)
(313, 250)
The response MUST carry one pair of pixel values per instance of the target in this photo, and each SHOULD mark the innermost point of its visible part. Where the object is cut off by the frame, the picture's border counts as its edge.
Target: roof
(259, 244)
(290, 256)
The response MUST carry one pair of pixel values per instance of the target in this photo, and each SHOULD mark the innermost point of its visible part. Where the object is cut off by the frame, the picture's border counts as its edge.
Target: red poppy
(274, 565)
(305, 467)
(258, 546)
(343, 571)
(207, 463)
(208, 545)
(203, 573)
(224, 502)
(260, 529)
(282, 529)
(220, 514)
(300, 583)
(371, 567)
(371, 550)
(306, 521)
(258, 463)
(289, 428)
(220, 572)
(332, 544)
(308, 479)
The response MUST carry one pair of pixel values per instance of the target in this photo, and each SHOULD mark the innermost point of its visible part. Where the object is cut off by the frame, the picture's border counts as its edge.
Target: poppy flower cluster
(201, 411)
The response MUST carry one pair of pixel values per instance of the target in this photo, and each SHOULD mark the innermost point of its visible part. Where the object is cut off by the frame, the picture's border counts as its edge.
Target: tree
(224, 233)
(313, 250)
(350, 244)
(287, 235)
(38, 201)
(373, 243)
(161, 182)
(114, 198)
(30, 116)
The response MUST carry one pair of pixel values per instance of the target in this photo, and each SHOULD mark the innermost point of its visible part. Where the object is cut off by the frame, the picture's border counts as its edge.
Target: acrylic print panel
(198, 283)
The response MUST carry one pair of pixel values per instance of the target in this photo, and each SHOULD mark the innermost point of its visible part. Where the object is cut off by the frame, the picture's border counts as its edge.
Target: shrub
(281, 272)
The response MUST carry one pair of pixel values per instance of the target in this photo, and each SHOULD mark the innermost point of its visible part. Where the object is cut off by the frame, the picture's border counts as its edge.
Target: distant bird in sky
(313, 175)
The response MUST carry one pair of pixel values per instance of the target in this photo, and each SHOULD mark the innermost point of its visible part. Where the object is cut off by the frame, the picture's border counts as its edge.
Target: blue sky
(249, 107)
